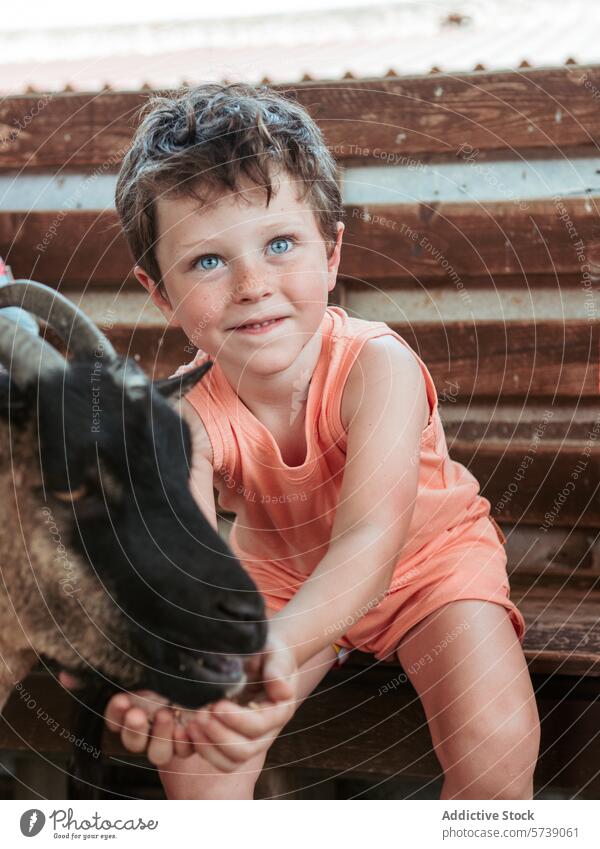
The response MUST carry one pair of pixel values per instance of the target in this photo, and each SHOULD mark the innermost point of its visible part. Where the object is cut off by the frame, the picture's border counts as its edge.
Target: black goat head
(112, 445)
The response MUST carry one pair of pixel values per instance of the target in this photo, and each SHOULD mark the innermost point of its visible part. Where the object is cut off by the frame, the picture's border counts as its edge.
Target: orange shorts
(468, 563)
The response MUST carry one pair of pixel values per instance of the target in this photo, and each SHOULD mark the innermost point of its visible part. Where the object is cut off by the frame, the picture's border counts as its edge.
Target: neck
(280, 391)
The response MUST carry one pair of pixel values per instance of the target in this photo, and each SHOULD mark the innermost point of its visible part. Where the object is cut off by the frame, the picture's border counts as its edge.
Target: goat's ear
(176, 387)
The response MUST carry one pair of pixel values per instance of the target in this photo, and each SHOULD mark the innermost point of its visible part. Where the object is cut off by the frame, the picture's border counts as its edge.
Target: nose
(250, 285)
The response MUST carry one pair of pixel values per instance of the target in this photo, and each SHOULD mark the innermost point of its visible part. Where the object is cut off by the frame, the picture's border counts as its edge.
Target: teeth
(262, 324)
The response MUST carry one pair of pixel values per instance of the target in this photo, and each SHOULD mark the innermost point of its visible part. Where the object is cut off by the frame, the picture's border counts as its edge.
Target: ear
(181, 384)
(159, 299)
(334, 260)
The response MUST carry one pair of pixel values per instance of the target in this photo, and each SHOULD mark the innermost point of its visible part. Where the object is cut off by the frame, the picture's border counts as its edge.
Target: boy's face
(236, 261)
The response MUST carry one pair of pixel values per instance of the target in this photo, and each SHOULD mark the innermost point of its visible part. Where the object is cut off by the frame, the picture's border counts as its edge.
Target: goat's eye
(70, 494)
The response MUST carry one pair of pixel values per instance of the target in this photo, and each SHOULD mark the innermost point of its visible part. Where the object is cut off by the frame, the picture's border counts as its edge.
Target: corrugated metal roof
(412, 38)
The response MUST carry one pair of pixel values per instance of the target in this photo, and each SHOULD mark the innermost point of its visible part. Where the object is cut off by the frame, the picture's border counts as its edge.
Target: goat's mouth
(191, 680)
(225, 670)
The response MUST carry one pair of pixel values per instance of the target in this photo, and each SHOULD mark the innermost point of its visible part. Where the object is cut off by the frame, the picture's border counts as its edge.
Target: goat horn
(25, 355)
(73, 326)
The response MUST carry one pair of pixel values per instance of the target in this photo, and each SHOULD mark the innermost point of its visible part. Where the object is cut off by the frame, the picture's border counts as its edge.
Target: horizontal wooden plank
(444, 242)
(552, 486)
(558, 557)
(437, 113)
(431, 114)
(562, 299)
(514, 359)
(448, 241)
(472, 175)
(67, 130)
(543, 490)
(20, 727)
(62, 248)
(529, 421)
(563, 630)
(474, 178)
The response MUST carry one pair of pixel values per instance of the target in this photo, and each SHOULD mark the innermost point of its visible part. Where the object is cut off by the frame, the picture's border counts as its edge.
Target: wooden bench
(471, 229)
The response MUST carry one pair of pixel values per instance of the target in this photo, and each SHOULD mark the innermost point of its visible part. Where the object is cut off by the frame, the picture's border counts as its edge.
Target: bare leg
(468, 667)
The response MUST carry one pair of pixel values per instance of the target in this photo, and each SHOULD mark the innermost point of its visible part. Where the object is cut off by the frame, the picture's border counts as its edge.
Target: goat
(109, 567)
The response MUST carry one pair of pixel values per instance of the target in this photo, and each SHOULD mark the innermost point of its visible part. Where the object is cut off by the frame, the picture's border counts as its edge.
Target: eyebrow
(292, 225)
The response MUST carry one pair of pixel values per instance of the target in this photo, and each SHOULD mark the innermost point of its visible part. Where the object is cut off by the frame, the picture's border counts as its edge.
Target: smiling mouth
(256, 325)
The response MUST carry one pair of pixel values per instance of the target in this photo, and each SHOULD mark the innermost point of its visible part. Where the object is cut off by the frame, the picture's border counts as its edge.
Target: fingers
(134, 734)
(118, 705)
(278, 671)
(115, 712)
(255, 722)
(132, 715)
(148, 701)
(217, 749)
(182, 745)
(231, 746)
(205, 748)
(160, 747)
(228, 736)
(278, 689)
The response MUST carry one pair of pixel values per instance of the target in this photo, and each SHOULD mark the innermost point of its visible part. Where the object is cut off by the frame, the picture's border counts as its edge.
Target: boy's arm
(388, 410)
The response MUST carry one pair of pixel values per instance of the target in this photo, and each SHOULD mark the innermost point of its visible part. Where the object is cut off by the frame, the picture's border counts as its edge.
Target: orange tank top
(284, 514)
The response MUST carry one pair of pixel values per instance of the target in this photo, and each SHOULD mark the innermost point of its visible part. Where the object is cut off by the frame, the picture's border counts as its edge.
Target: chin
(271, 362)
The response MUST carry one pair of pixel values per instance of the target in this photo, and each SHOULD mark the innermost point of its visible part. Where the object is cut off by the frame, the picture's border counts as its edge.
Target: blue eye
(201, 260)
(279, 241)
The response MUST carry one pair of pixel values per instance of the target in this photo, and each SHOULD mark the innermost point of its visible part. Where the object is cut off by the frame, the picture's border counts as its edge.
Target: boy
(321, 432)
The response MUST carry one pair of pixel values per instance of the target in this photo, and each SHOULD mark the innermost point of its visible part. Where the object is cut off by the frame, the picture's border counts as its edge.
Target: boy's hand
(227, 734)
(148, 723)
(144, 720)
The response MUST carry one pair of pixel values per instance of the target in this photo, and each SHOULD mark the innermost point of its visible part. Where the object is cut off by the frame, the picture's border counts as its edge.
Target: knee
(495, 755)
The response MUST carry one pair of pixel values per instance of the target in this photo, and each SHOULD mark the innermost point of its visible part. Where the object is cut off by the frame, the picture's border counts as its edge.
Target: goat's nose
(242, 610)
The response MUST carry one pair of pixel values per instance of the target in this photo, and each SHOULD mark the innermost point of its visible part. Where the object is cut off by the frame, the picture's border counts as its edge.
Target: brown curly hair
(207, 137)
